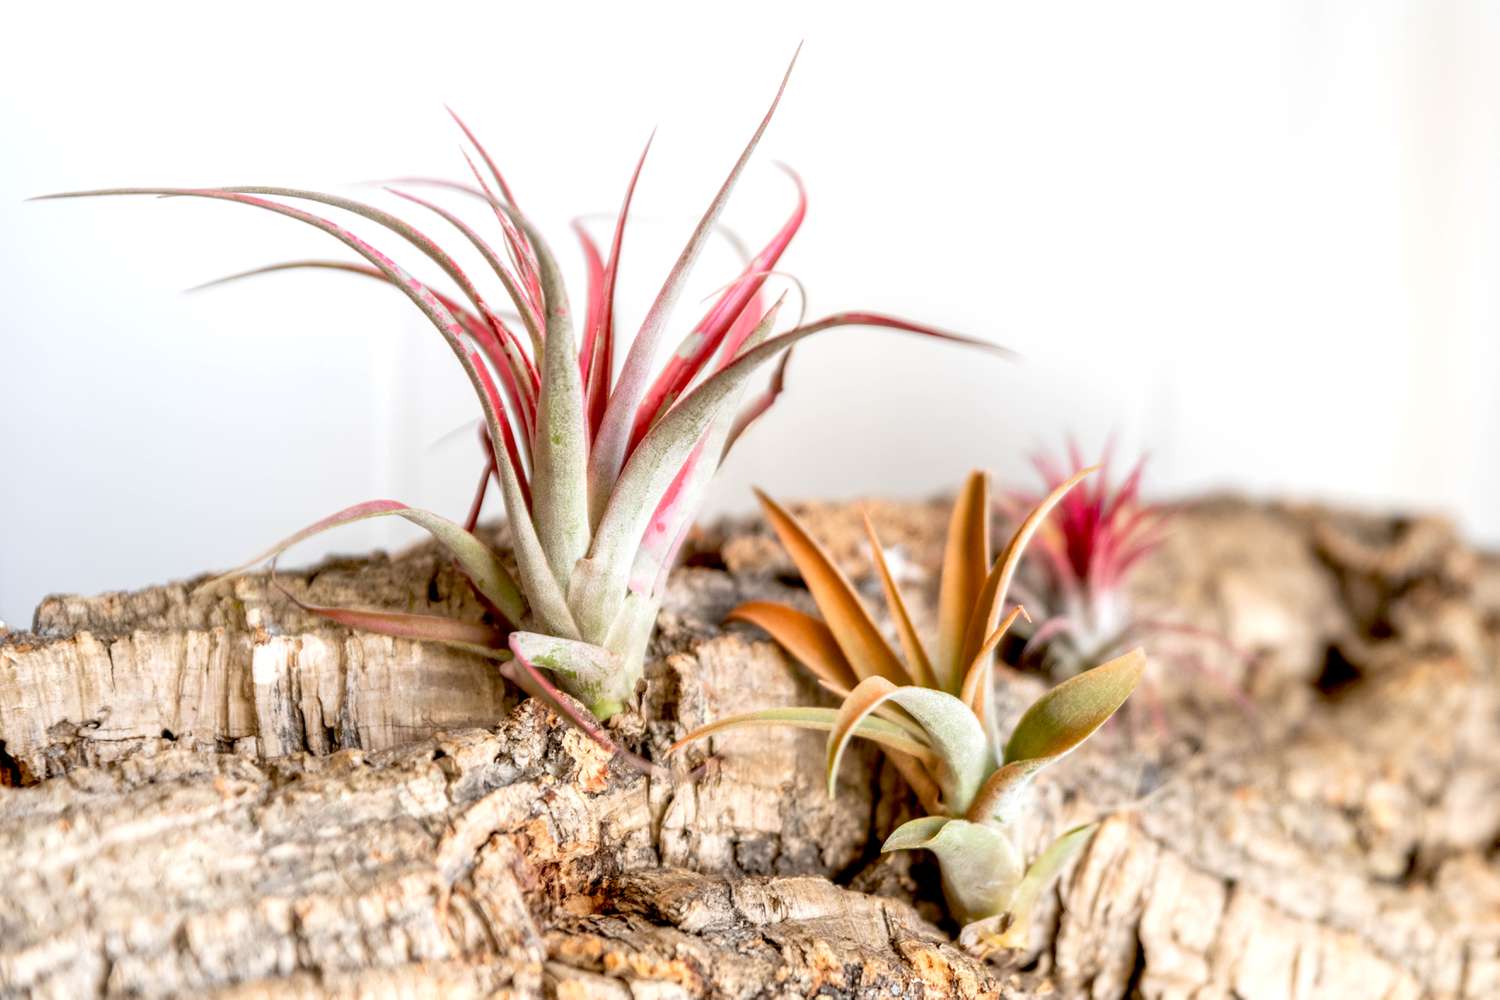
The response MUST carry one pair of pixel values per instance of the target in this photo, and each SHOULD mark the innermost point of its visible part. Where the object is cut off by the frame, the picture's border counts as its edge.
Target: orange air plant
(930, 708)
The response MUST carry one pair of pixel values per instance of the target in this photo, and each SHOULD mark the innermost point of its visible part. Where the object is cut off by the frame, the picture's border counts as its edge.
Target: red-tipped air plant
(602, 467)
(1077, 587)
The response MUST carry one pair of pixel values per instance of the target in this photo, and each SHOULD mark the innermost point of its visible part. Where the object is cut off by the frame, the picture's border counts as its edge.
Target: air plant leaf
(980, 864)
(806, 638)
(875, 729)
(964, 756)
(559, 481)
(478, 561)
(964, 562)
(1068, 714)
(848, 619)
(592, 671)
(1042, 873)
(473, 637)
(608, 458)
(914, 834)
(917, 663)
(997, 584)
(1002, 791)
(976, 682)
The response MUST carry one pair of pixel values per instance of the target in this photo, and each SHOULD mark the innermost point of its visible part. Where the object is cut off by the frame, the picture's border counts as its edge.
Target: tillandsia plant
(1077, 590)
(602, 467)
(931, 711)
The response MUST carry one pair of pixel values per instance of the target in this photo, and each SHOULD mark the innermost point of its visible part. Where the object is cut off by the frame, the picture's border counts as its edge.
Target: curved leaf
(478, 561)
(474, 637)
(981, 866)
(976, 685)
(592, 674)
(507, 280)
(1001, 792)
(807, 639)
(887, 734)
(1068, 714)
(1043, 871)
(914, 834)
(963, 751)
(844, 612)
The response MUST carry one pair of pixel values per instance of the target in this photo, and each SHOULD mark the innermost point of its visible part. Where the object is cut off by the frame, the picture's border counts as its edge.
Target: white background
(1260, 240)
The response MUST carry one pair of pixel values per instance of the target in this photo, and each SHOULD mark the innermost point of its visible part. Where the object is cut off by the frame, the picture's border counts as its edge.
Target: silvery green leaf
(1042, 873)
(981, 865)
(559, 480)
(1068, 714)
(592, 674)
(478, 561)
(964, 756)
(887, 734)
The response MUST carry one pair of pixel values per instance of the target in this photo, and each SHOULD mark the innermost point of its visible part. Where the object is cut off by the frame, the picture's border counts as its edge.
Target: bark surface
(213, 793)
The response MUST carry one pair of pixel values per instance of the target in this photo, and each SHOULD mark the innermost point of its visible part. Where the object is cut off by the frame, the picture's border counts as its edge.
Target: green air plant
(932, 712)
(601, 467)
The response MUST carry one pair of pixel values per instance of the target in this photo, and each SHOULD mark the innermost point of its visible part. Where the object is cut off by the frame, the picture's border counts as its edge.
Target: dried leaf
(845, 613)
(997, 584)
(919, 667)
(965, 559)
(807, 639)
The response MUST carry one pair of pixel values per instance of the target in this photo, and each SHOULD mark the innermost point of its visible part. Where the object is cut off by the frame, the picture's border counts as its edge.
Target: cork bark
(214, 794)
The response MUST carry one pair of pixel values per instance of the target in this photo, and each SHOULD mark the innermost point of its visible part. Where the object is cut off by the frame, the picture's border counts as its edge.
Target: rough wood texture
(224, 797)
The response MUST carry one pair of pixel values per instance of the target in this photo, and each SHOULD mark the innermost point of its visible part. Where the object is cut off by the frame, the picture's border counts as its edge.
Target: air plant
(931, 711)
(1088, 551)
(601, 471)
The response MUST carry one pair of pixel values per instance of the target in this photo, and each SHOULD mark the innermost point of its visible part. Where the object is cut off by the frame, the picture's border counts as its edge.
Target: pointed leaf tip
(1068, 714)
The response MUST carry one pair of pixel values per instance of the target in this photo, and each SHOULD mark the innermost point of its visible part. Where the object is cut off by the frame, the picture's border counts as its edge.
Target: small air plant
(601, 471)
(931, 712)
(1088, 550)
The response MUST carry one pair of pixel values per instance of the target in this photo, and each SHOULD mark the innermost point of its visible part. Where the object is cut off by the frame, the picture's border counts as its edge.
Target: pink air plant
(601, 458)
(1098, 535)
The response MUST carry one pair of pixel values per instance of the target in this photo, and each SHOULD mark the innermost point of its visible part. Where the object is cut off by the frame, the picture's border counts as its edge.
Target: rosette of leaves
(1078, 590)
(602, 466)
(930, 710)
